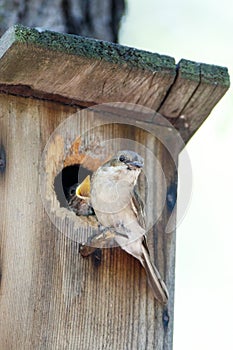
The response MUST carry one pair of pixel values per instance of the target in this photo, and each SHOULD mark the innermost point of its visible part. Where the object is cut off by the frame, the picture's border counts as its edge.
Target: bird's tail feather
(157, 284)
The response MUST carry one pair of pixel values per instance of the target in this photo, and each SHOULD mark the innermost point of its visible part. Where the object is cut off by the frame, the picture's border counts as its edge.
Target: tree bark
(99, 19)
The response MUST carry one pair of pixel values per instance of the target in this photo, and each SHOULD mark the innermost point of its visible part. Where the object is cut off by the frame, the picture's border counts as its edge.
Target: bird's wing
(138, 208)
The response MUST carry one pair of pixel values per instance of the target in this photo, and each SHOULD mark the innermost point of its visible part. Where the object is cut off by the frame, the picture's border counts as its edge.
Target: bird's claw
(86, 250)
(104, 238)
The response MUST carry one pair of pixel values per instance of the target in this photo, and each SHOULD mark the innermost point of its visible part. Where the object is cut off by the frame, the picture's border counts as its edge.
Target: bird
(118, 205)
(79, 198)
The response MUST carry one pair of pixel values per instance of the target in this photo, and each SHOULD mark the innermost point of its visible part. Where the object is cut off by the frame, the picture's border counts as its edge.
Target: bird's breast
(110, 196)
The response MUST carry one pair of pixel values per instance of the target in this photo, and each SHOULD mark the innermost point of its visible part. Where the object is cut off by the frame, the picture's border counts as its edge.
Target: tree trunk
(99, 19)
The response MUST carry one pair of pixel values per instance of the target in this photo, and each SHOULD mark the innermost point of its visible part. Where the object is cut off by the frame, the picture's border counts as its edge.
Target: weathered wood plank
(82, 71)
(27, 249)
(186, 82)
(85, 71)
(214, 82)
(197, 89)
(52, 298)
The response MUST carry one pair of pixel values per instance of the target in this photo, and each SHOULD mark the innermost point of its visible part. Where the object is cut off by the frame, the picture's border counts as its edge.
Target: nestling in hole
(71, 186)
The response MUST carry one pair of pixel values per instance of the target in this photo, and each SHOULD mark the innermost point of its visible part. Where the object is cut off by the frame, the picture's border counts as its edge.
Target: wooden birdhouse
(69, 103)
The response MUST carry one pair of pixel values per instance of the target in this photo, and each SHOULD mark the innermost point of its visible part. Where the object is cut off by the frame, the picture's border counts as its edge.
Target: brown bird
(118, 206)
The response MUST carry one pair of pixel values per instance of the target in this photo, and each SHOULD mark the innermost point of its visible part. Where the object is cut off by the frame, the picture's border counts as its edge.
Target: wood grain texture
(197, 89)
(214, 82)
(187, 80)
(50, 297)
(85, 71)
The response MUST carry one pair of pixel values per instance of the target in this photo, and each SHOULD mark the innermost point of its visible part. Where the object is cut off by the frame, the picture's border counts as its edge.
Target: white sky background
(201, 31)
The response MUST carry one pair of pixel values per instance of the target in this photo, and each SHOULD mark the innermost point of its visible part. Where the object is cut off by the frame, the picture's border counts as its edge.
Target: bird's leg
(86, 250)
(104, 238)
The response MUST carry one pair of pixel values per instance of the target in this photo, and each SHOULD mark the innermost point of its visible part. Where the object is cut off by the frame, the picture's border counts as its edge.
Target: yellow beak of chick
(84, 189)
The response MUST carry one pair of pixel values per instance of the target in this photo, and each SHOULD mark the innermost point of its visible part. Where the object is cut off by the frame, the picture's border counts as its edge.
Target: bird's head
(127, 159)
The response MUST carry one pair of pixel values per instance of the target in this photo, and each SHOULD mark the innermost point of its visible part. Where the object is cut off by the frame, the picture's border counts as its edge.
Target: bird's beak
(135, 164)
(84, 189)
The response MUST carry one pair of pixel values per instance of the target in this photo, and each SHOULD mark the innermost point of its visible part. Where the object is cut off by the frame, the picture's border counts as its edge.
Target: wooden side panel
(50, 297)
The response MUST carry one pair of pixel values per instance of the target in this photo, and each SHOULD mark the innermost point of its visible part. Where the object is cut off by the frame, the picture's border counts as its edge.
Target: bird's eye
(122, 158)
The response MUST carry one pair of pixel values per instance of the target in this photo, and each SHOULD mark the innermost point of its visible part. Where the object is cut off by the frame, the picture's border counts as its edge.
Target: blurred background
(200, 31)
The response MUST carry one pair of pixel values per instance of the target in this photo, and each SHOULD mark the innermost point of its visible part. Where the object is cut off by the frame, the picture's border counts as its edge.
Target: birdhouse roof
(81, 71)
